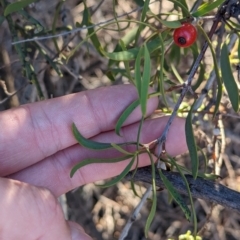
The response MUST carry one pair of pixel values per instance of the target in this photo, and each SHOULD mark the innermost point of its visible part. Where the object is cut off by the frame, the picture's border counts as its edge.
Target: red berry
(185, 36)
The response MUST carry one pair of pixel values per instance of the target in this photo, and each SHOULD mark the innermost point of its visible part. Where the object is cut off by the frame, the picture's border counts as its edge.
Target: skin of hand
(38, 150)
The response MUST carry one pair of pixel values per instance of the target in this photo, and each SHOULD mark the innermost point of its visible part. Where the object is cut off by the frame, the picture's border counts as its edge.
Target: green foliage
(175, 195)
(150, 59)
(17, 6)
(142, 80)
(207, 8)
(191, 144)
(228, 78)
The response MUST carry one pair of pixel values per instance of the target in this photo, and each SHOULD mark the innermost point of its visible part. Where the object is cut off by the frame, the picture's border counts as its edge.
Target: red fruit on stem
(185, 36)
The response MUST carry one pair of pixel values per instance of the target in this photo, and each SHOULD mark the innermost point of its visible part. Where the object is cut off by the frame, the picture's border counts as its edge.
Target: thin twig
(135, 213)
(78, 29)
(9, 95)
(187, 84)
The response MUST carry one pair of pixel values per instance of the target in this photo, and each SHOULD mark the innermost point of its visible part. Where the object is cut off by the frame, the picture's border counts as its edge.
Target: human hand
(37, 147)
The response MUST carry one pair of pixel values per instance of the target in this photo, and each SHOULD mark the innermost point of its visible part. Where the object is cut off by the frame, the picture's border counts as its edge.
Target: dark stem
(207, 190)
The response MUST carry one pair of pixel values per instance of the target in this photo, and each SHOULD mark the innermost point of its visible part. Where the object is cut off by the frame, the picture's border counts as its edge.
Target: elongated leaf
(234, 25)
(55, 19)
(134, 189)
(207, 7)
(238, 47)
(183, 7)
(209, 176)
(16, 6)
(171, 24)
(228, 78)
(145, 80)
(200, 78)
(132, 53)
(120, 176)
(37, 26)
(120, 149)
(204, 158)
(99, 160)
(53, 64)
(138, 76)
(219, 80)
(161, 76)
(154, 198)
(127, 64)
(2, 19)
(191, 144)
(87, 142)
(142, 19)
(176, 196)
(126, 40)
(140, 3)
(87, 21)
(189, 195)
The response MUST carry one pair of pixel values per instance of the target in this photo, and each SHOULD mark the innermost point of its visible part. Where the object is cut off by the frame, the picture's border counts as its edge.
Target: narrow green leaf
(119, 177)
(207, 7)
(154, 197)
(142, 19)
(127, 64)
(174, 55)
(161, 76)
(238, 47)
(126, 40)
(140, 3)
(234, 26)
(191, 144)
(176, 73)
(91, 31)
(204, 158)
(228, 78)
(194, 216)
(125, 115)
(145, 80)
(120, 149)
(134, 189)
(217, 72)
(183, 2)
(55, 19)
(35, 24)
(99, 160)
(2, 19)
(209, 176)
(16, 6)
(87, 142)
(184, 9)
(200, 78)
(138, 77)
(132, 53)
(53, 64)
(176, 196)
(92, 144)
(171, 24)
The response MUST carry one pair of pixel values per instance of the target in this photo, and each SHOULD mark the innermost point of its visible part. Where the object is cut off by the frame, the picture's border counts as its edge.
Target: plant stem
(187, 85)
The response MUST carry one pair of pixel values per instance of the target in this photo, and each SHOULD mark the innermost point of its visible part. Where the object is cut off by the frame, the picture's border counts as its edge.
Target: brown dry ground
(104, 212)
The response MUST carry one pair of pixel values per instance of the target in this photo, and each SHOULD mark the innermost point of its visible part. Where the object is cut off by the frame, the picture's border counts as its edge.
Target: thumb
(77, 232)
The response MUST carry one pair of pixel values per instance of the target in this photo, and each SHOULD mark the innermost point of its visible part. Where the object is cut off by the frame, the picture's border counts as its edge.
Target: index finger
(33, 132)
